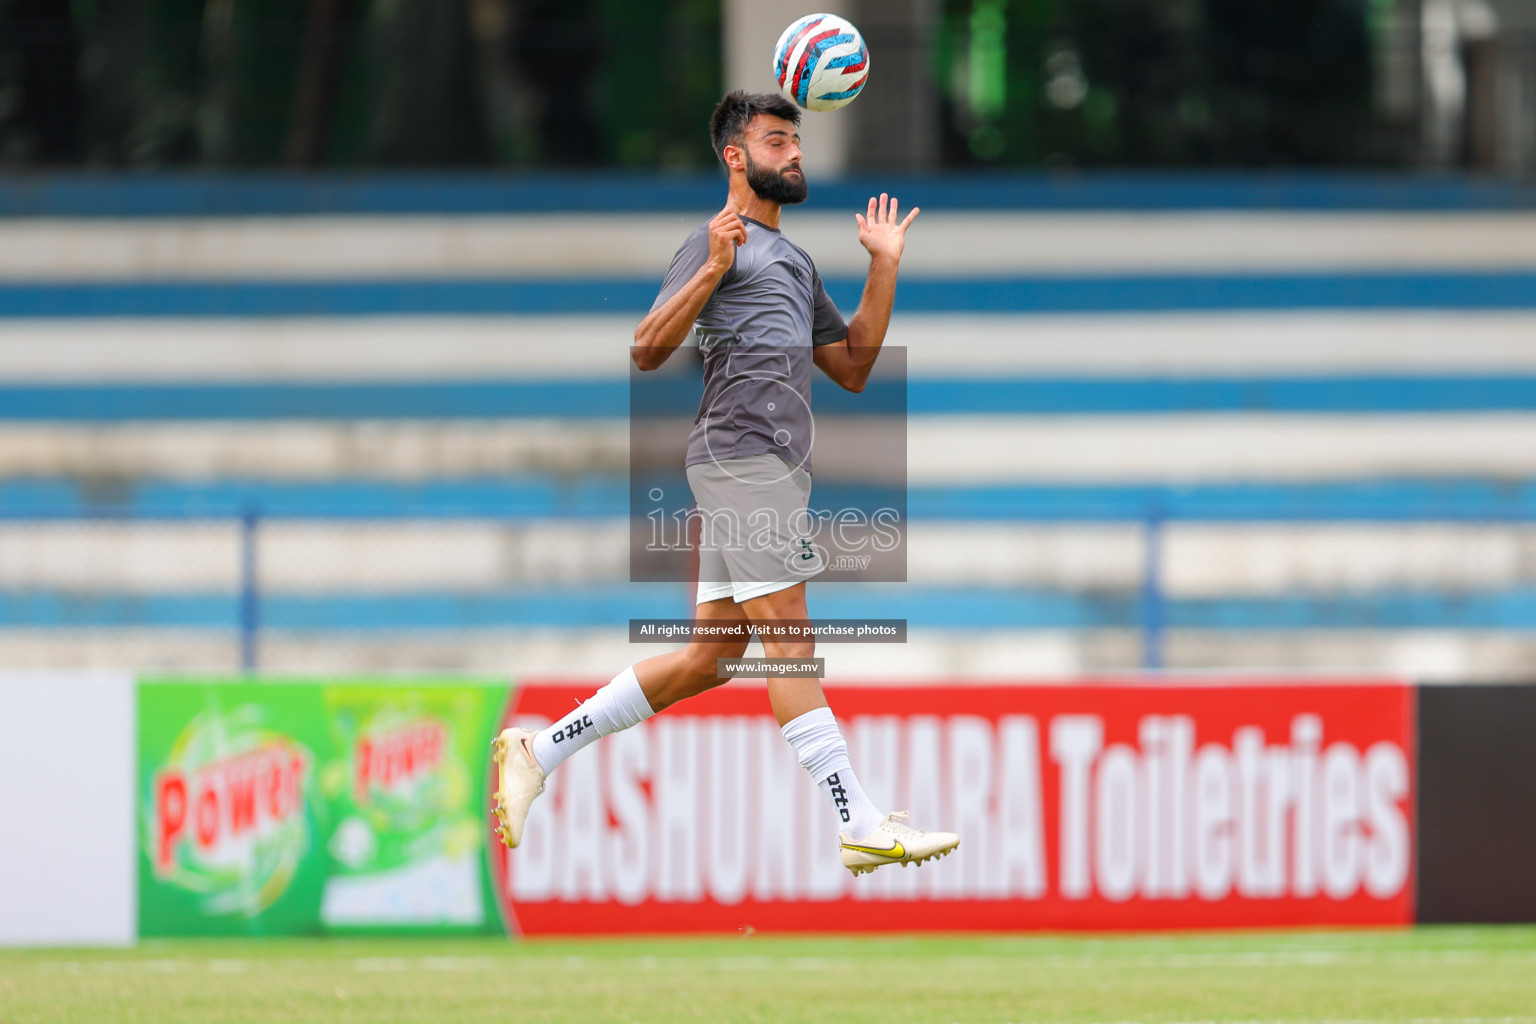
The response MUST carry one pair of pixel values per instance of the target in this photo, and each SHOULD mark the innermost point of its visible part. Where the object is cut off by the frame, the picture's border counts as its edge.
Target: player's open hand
(726, 232)
(880, 232)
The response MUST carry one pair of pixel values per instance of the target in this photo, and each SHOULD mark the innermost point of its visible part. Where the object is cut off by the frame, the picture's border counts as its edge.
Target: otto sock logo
(839, 796)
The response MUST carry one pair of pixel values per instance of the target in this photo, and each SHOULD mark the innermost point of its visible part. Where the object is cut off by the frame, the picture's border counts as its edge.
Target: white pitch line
(455, 963)
(379, 964)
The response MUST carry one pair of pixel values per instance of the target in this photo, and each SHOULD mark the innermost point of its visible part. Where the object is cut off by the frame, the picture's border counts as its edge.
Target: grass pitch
(1425, 976)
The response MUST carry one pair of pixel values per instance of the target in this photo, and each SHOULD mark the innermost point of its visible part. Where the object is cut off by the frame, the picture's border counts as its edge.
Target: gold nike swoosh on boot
(894, 852)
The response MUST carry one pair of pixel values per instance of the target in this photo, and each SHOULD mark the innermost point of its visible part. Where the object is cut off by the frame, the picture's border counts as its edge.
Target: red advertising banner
(1096, 805)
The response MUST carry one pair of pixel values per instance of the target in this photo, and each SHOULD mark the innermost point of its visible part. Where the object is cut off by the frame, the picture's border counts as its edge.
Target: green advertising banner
(405, 790)
(281, 807)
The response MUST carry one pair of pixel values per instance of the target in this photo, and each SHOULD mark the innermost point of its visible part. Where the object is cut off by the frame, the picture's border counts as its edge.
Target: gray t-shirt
(756, 333)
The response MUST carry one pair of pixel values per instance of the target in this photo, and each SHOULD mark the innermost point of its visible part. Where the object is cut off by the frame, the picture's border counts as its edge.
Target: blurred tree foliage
(348, 83)
(1155, 82)
(630, 83)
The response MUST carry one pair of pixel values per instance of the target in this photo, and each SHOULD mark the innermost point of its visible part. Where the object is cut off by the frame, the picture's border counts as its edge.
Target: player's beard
(775, 186)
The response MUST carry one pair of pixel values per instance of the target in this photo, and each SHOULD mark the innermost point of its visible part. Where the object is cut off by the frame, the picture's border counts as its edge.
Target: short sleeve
(685, 263)
(827, 324)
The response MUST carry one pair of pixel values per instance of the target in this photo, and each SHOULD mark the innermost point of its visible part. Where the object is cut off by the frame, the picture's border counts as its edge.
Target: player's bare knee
(800, 649)
(704, 663)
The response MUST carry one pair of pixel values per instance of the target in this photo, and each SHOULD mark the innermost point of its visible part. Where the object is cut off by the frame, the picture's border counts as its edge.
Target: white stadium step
(288, 450)
(941, 450)
(469, 556)
(1188, 448)
(316, 350)
(943, 244)
(310, 557)
(413, 348)
(596, 655)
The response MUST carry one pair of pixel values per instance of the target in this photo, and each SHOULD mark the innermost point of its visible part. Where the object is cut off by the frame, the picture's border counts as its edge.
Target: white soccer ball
(821, 62)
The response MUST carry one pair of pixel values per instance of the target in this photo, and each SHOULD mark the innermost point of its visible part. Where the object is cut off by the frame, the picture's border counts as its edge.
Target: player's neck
(753, 206)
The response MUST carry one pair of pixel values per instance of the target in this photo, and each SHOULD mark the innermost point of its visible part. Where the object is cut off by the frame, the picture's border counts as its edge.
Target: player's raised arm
(665, 326)
(849, 361)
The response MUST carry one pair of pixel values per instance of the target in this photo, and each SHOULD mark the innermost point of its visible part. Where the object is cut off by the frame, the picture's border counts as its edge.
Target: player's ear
(734, 158)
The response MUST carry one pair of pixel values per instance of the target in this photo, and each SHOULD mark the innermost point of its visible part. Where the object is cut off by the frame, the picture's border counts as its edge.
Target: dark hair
(730, 119)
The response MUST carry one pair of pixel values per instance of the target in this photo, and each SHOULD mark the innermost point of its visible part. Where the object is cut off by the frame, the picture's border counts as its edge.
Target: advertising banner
(1101, 805)
(405, 796)
(67, 874)
(292, 807)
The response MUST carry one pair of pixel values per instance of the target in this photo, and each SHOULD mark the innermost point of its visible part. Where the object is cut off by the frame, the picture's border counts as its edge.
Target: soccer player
(762, 318)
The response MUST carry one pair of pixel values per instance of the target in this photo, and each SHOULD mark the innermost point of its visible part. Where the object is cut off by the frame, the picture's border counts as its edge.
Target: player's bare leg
(868, 839)
(525, 758)
(791, 696)
(689, 671)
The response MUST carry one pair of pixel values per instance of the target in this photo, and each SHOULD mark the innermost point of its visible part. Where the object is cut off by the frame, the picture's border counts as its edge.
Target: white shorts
(755, 527)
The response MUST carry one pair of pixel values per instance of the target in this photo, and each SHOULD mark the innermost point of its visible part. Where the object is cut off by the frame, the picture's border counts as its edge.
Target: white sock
(824, 753)
(615, 707)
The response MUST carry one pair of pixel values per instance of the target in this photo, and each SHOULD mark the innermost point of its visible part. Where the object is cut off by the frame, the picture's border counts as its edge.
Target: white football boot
(518, 780)
(895, 842)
